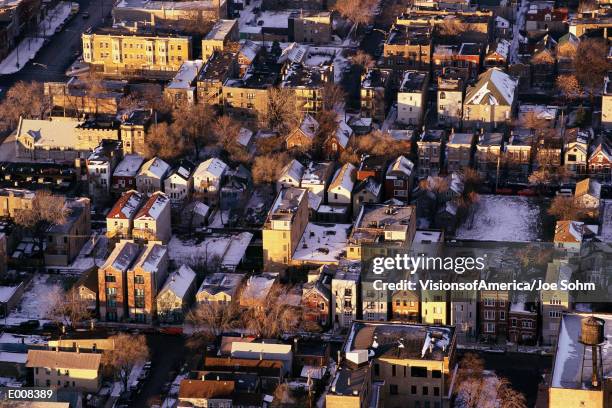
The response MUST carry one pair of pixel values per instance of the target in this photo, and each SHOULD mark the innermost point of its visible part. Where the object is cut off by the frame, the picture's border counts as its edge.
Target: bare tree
(69, 308)
(569, 87)
(363, 60)
(226, 130)
(282, 396)
(210, 319)
(164, 142)
(591, 64)
(358, 11)
(24, 99)
(509, 397)
(128, 350)
(333, 96)
(47, 209)
(266, 169)
(566, 208)
(195, 124)
(284, 111)
(270, 317)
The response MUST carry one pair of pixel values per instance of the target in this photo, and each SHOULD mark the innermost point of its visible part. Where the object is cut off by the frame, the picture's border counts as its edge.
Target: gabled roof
(63, 359)
(153, 207)
(293, 169)
(494, 87)
(123, 256)
(126, 206)
(183, 170)
(343, 133)
(588, 186)
(155, 167)
(369, 184)
(569, 231)
(309, 126)
(150, 258)
(400, 165)
(214, 166)
(129, 166)
(344, 177)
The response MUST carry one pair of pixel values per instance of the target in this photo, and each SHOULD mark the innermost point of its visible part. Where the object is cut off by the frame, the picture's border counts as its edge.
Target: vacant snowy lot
(503, 218)
(37, 301)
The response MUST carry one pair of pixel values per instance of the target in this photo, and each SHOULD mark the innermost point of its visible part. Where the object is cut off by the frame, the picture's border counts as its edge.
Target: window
(502, 315)
(376, 370)
(513, 322)
(139, 298)
(436, 391)
(436, 374)
(110, 278)
(489, 302)
(489, 314)
(398, 183)
(413, 390)
(416, 371)
(139, 279)
(393, 370)
(393, 389)
(425, 390)
(554, 313)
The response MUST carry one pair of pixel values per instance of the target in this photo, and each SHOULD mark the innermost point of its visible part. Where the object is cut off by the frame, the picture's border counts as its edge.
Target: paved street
(59, 53)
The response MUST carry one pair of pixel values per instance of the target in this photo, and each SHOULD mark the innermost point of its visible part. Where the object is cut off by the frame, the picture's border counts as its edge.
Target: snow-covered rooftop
(344, 178)
(129, 166)
(155, 167)
(154, 206)
(51, 134)
(179, 281)
(494, 87)
(212, 166)
(322, 243)
(186, 74)
(126, 205)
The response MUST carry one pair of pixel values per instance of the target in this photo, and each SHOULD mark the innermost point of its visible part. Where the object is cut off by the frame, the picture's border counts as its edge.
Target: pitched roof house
(151, 176)
(120, 219)
(491, 100)
(153, 220)
(303, 136)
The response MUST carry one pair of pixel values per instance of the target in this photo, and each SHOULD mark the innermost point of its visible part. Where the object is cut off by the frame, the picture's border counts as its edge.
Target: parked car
(29, 324)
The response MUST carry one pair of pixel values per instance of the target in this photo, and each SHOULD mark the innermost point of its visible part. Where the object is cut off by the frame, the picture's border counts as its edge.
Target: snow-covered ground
(37, 301)
(519, 22)
(502, 218)
(29, 47)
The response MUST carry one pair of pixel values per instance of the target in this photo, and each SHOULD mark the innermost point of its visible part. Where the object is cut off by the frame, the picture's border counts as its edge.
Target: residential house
(407, 48)
(87, 289)
(66, 369)
(451, 87)
(313, 27)
(124, 176)
(375, 93)
(337, 142)
(316, 300)
(494, 308)
(144, 281)
(491, 101)
(219, 36)
(345, 290)
(179, 183)
(316, 178)
(307, 83)
(291, 175)
(519, 155)
(606, 102)
(93, 131)
(575, 152)
(372, 166)
(284, 226)
(134, 130)
(548, 19)
(376, 223)
(181, 90)
(522, 322)
(600, 160)
(120, 219)
(151, 176)
(430, 149)
(256, 290)
(209, 84)
(220, 288)
(248, 55)
(366, 191)
(489, 149)
(248, 96)
(398, 372)
(165, 51)
(497, 54)
(152, 222)
(207, 180)
(65, 241)
(112, 281)
(588, 194)
(405, 306)
(399, 179)
(554, 303)
(101, 164)
(412, 98)
(459, 150)
(206, 393)
(237, 189)
(303, 136)
(341, 187)
(54, 139)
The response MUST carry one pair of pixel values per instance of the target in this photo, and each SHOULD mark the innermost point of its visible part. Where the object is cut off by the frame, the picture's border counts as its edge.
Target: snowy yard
(503, 218)
(37, 301)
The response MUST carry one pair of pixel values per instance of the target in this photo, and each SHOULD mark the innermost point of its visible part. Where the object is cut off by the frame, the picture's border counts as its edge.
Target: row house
(93, 131)
(375, 93)
(600, 159)
(464, 58)
(497, 54)
(124, 176)
(606, 102)
(430, 152)
(219, 288)
(317, 299)
(307, 83)
(175, 296)
(120, 219)
(121, 51)
(451, 87)
(101, 164)
(150, 177)
(65, 241)
(407, 48)
(522, 322)
(134, 130)
(182, 88)
(153, 220)
(367, 191)
(248, 55)
(412, 98)
(576, 152)
(494, 314)
(290, 175)
(129, 281)
(345, 294)
(489, 150)
(316, 178)
(220, 67)
(220, 35)
(459, 150)
(248, 96)
(518, 155)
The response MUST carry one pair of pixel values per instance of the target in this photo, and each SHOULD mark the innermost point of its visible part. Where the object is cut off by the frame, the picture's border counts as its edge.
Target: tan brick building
(145, 280)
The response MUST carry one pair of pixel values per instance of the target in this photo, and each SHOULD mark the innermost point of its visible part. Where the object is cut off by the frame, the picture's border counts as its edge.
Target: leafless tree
(226, 130)
(509, 397)
(569, 87)
(333, 96)
(195, 124)
(69, 308)
(363, 60)
(380, 143)
(543, 58)
(210, 319)
(284, 111)
(47, 209)
(358, 11)
(164, 142)
(451, 27)
(128, 350)
(24, 99)
(591, 64)
(267, 168)
(566, 208)
(282, 396)
(270, 317)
